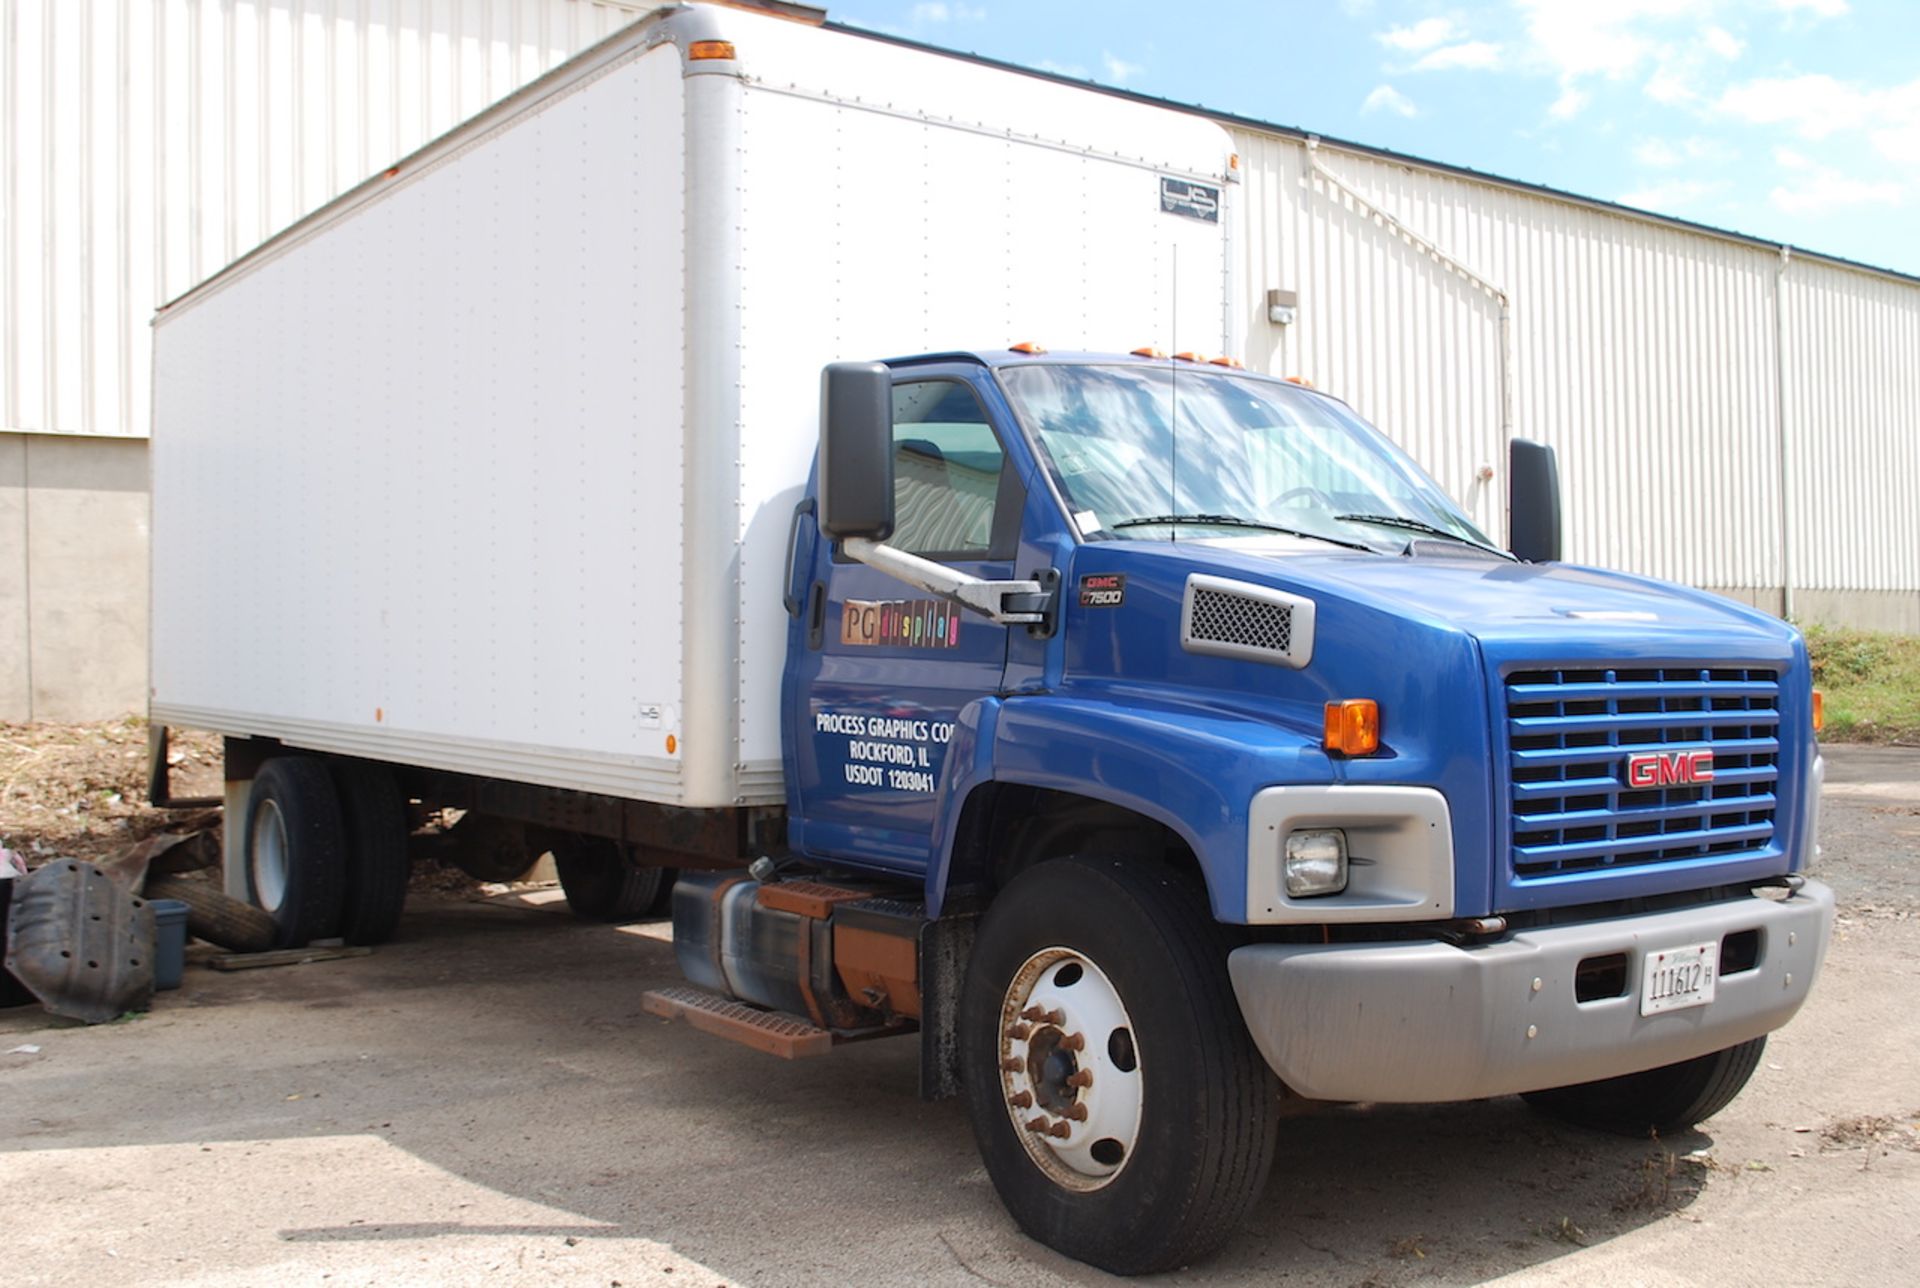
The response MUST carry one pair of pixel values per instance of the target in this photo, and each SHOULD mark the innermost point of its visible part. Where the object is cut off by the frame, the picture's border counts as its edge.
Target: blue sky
(1791, 120)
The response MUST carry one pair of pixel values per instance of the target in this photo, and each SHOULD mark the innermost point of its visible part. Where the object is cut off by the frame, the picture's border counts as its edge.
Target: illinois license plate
(1676, 978)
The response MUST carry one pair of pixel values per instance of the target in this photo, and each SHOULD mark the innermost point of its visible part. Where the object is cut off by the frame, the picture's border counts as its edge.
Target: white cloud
(1119, 70)
(1657, 152)
(1385, 98)
(1816, 105)
(936, 12)
(1424, 34)
(1075, 70)
(1478, 55)
(1356, 8)
(1675, 195)
(1669, 85)
(1572, 99)
(1723, 42)
(1812, 8)
(1824, 191)
(1665, 153)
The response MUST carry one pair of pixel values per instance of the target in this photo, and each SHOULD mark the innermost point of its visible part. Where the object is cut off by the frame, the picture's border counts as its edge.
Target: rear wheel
(601, 885)
(1119, 1103)
(296, 849)
(1671, 1098)
(375, 818)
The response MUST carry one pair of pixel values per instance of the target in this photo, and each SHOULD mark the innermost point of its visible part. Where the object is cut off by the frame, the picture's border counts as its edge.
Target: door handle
(789, 596)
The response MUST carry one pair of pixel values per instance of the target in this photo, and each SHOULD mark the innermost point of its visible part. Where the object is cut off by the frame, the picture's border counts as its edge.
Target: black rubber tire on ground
(377, 864)
(1669, 1099)
(1209, 1103)
(312, 865)
(215, 916)
(601, 885)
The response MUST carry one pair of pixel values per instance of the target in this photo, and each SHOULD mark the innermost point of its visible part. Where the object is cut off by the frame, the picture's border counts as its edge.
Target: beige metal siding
(147, 143)
(1647, 354)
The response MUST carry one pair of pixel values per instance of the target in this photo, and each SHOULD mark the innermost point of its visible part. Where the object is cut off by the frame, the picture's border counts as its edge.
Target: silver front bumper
(1425, 1021)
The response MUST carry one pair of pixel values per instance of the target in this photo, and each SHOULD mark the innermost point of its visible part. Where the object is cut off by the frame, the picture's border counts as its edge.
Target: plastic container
(169, 942)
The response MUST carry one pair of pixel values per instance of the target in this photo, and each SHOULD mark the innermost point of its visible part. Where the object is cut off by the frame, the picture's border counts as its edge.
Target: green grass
(1871, 682)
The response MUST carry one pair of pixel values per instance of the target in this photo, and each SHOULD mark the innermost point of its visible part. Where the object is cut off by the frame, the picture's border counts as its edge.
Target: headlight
(1315, 862)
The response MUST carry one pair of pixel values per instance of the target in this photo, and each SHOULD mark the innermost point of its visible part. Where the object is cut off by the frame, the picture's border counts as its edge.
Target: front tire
(296, 849)
(1665, 1100)
(1118, 1101)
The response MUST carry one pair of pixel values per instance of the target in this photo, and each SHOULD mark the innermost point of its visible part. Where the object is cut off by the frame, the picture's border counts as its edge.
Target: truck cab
(1250, 763)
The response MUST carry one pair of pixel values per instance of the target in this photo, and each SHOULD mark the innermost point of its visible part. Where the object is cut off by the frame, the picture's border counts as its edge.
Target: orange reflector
(1148, 351)
(1302, 381)
(1026, 346)
(1227, 362)
(1353, 727)
(1189, 357)
(1819, 711)
(701, 50)
(1233, 161)
(673, 744)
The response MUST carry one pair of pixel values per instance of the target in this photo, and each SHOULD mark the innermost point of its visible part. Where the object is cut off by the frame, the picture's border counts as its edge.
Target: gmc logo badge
(1670, 768)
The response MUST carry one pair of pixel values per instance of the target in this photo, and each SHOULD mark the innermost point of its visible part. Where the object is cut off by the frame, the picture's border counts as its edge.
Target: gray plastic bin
(169, 942)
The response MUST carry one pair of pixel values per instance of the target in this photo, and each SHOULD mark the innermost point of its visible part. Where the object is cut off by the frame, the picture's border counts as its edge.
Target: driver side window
(950, 474)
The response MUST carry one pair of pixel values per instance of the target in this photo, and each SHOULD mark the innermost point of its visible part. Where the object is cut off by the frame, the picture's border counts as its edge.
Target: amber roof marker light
(706, 50)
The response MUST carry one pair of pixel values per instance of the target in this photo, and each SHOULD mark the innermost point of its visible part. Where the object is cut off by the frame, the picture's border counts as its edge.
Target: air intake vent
(1241, 620)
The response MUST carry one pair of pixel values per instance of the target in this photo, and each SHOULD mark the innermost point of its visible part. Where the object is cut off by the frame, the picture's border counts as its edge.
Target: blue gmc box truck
(1151, 738)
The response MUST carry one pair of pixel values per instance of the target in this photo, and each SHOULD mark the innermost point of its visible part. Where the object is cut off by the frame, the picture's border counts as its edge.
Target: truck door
(880, 669)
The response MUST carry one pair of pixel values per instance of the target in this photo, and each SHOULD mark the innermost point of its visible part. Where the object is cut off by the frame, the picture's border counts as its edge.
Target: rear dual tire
(601, 884)
(326, 850)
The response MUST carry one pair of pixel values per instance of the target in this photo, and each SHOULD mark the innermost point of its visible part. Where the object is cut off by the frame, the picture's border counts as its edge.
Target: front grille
(1571, 731)
(1222, 618)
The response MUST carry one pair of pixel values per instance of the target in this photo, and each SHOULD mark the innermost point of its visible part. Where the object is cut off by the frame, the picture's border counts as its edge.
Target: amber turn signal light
(1819, 711)
(1353, 727)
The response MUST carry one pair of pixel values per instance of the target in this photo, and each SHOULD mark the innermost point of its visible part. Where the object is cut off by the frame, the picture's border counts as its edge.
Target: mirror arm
(1005, 602)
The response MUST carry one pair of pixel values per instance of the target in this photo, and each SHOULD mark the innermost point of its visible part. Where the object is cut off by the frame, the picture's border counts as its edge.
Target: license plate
(1676, 978)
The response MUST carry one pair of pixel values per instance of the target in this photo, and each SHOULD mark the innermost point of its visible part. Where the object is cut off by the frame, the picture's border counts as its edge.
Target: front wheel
(1671, 1098)
(1119, 1103)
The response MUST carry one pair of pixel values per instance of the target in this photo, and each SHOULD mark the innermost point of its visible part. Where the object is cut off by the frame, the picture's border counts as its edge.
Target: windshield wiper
(1420, 526)
(1233, 521)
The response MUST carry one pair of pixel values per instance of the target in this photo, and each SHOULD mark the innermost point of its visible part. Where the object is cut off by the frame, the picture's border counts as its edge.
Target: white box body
(489, 465)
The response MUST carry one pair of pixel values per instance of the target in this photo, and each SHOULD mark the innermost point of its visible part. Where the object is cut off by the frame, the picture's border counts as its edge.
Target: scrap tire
(1665, 1100)
(215, 916)
(378, 866)
(1203, 1115)
(295, 848)
(601, 885)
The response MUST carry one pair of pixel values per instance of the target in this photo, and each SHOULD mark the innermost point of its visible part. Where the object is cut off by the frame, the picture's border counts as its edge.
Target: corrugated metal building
(1729, 413)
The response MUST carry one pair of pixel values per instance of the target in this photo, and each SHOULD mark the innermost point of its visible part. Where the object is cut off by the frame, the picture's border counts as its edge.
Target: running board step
(774, 1032)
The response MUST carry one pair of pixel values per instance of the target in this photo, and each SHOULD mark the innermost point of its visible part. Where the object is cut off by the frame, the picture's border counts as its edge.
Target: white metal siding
(147, 143)
(1646, 354)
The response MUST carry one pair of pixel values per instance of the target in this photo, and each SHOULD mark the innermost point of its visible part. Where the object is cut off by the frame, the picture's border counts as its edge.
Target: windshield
(1250, 456)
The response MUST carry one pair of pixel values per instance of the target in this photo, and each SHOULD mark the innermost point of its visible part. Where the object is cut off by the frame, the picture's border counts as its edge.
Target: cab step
(774, 1032)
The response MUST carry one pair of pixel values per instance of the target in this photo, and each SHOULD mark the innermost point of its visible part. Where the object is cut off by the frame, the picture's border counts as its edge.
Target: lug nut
(1077, 1112)
(1038, 1126)
(1013, 1064)
(1019, 1032)
(1084, 1078)
(1072, 1041)
(1060, 1131)
(1039, 1015)
(1021, 1100)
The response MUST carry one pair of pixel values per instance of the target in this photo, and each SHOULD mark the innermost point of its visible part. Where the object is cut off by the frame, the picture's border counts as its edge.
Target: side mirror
(856, 451)
(1533, 502)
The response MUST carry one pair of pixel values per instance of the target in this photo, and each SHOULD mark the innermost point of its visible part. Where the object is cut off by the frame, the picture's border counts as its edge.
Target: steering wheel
(1326, 502)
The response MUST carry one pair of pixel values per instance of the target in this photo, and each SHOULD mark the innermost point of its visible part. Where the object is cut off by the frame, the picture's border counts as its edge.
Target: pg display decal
(899, 623)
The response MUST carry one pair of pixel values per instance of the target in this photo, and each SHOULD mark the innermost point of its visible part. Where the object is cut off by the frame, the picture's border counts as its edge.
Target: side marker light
(1353, 727)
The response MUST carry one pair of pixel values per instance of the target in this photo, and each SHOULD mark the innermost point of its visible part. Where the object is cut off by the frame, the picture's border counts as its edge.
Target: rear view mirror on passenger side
(856, 450)
(1533, 502)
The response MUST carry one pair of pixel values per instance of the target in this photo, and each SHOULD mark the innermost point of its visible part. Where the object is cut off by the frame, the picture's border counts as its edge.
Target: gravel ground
(484, 1097)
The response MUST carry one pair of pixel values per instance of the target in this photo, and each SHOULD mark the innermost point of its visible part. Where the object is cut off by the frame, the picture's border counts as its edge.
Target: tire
(375, 818)
(216, 917)
(601, 885)
(1665, 1100)
(295, 849)
(1176, 1070)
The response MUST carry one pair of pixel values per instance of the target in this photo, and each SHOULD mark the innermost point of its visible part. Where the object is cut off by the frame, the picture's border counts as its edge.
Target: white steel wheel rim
(268, 850)
(1070, 1069)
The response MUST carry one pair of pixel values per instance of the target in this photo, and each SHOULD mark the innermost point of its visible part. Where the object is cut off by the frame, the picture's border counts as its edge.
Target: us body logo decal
(899, 623)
